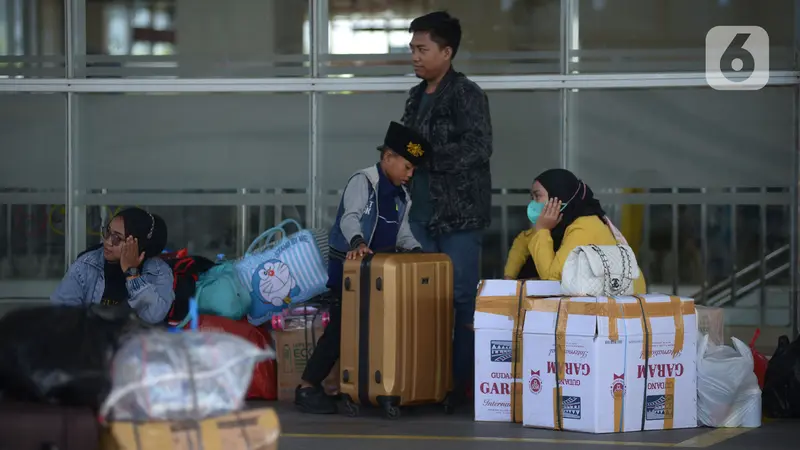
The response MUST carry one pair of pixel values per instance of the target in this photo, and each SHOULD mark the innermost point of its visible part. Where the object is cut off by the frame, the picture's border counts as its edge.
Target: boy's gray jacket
(357, 216)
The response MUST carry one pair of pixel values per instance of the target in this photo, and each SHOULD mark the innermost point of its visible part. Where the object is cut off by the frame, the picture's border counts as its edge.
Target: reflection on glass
(509, 37)
(32, 39)
(682, 137)
(669, 35)
(32, 242)
(525, 126)
(365, 36)
(141, 17)
(492, 262)
(194, 141)
(197, 38)
(202, 230)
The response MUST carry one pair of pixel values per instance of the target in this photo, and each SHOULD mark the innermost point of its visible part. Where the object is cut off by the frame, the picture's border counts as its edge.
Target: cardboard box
(498, 333)
(294, 345)
(256, 429)
(622, 364)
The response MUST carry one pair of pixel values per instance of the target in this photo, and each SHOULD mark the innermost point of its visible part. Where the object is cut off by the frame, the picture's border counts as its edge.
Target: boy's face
(397, 169)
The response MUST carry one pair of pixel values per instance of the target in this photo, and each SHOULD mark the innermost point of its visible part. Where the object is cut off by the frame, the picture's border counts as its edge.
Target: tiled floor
(427, 428)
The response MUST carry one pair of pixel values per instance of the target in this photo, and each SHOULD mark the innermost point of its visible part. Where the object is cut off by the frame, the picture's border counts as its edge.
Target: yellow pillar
(632, 222)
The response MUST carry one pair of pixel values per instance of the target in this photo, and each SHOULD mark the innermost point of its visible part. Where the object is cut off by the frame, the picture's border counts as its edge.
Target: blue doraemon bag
(281, 274)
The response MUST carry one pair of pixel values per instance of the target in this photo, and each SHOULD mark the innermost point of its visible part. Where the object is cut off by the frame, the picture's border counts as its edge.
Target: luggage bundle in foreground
(98, 379)
(591, 364)
(397, 325)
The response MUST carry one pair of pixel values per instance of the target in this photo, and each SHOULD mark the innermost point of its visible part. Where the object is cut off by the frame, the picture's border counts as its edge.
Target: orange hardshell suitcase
(397, 328)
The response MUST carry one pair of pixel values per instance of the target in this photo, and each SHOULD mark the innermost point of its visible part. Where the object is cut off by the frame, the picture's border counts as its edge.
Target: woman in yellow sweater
(565, 215)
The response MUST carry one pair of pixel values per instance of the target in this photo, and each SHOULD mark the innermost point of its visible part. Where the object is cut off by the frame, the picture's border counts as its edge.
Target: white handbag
(600, 270)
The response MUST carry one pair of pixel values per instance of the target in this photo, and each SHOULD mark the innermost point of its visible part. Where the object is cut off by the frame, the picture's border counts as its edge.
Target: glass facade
(226, 117)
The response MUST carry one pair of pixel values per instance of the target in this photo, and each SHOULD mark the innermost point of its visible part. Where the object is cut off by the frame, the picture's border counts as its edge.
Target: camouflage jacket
(458, 125)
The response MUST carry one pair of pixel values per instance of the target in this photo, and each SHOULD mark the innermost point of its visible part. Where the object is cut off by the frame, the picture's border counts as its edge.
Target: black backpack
(186, 269)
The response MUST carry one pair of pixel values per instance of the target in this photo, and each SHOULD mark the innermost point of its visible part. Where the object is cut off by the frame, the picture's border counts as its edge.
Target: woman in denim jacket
(126, 267)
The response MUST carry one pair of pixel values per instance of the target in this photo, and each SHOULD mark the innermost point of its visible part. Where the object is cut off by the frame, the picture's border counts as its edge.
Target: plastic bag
(782, 383)
(62, 354)
(264, 383)
(727, 389)
(180, 376)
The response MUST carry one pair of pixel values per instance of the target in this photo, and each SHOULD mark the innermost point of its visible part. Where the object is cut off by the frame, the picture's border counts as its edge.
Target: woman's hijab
(575, 194)
(149, 229)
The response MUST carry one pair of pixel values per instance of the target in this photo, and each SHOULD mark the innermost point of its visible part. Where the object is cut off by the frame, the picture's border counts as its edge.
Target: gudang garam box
(622, 364)
(498, 334)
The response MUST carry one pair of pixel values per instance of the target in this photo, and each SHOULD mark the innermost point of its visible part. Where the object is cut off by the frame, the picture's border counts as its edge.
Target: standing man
(452, 193)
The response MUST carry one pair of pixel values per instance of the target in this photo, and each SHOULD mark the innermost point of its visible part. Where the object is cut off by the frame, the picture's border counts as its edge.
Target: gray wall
(618, 138)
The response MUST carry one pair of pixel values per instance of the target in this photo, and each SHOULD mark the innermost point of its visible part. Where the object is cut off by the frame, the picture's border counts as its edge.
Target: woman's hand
(551, 215)
(130, 254)
(359, 252)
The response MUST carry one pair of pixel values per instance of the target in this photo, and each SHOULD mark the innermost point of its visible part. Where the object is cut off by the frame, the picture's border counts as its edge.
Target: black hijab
(149, 229)
(151, 232)
(565, 186)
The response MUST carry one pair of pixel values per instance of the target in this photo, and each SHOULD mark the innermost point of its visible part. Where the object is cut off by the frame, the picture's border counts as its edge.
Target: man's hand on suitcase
(359, 252)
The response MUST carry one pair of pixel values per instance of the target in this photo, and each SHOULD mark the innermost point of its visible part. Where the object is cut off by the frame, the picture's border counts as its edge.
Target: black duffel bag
(62, 354)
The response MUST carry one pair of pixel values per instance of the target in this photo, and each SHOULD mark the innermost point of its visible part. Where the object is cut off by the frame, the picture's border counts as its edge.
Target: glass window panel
(526, 127)
(32, 191)
(704, 252)
(694, 137)
(690, 253)
(207, 230)
(670, 35)
(33, 128)
(492, 262)
(32, 39)
(510, 37)
(193, 142)
(208, 39)
(142, 17)
(162, 20)
(778, 283)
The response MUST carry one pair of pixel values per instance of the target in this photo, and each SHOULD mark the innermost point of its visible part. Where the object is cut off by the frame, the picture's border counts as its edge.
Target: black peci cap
(406, 142)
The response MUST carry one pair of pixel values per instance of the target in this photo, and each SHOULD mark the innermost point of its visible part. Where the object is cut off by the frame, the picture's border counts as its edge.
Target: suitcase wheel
(351, 408)
(392, 412)
(390, 408)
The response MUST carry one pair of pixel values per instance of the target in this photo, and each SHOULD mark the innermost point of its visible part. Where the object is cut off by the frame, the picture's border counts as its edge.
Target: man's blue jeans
(464, 249)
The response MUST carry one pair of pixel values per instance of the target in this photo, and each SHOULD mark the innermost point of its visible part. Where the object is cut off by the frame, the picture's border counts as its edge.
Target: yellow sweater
(518, 254)
(583, 231)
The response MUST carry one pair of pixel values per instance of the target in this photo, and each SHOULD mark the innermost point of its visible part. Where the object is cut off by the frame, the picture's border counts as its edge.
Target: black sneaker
(313, 400)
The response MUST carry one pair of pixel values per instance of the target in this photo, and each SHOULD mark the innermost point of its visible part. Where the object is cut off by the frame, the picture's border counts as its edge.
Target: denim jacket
(150, 294)
(357, 216)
